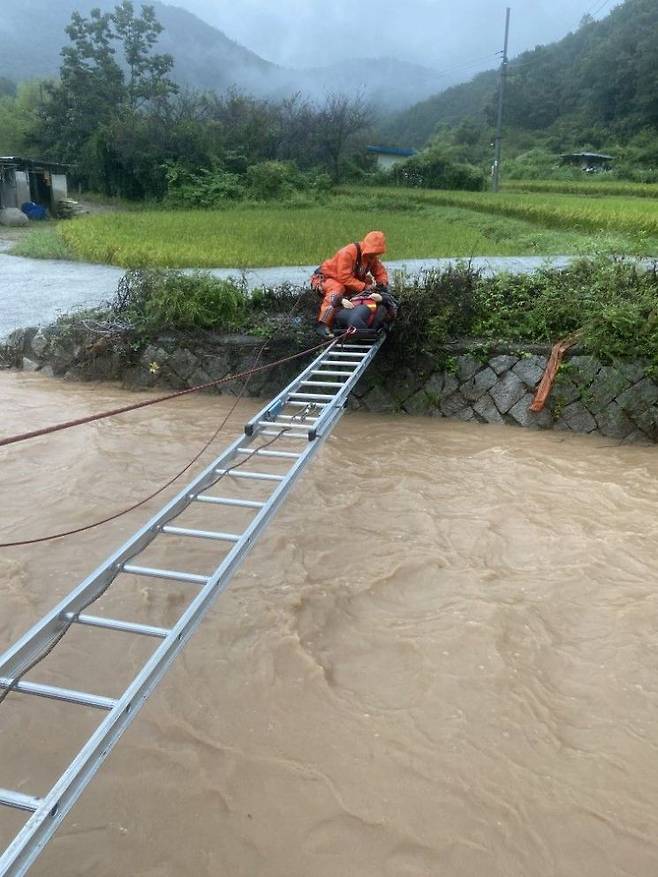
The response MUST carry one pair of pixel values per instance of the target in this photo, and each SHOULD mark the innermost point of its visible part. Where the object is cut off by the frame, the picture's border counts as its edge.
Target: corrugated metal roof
(587, 155)
(32, 163)
(392, 150)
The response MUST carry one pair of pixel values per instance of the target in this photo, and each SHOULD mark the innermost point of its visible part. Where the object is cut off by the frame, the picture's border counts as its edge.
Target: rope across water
(68, 424)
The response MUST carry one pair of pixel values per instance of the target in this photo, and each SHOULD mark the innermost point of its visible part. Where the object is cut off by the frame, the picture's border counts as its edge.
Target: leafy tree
(93, 88)
(18, 117)
(147, 79)
(246, 129)
(340, 122)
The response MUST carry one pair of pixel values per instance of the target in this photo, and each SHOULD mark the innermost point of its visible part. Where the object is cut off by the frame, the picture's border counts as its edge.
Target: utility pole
(501, 102)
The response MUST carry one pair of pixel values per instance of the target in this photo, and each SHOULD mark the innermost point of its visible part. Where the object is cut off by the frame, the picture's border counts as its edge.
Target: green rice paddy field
(418, 224)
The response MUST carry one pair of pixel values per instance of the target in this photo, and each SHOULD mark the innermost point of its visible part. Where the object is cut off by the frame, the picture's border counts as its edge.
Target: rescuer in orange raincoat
(355, 269)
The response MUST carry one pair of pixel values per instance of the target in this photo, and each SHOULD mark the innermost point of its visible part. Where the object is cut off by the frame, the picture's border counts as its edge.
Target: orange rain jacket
(344, 269)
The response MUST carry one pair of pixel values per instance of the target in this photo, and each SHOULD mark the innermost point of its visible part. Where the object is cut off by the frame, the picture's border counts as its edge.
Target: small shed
(389, 156)
(589, 162)
(30, 179)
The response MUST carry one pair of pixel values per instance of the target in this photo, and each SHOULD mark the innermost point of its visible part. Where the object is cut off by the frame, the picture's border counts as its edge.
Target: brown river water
(440, 660)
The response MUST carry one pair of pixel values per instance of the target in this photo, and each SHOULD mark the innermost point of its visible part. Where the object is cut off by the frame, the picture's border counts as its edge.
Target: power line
(595, 11)
(467, 64)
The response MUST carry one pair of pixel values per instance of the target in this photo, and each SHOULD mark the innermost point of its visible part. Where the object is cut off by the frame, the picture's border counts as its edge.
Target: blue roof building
(389, 156)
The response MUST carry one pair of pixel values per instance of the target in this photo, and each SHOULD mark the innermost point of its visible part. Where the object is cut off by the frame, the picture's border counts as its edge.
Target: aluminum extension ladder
(304, 412)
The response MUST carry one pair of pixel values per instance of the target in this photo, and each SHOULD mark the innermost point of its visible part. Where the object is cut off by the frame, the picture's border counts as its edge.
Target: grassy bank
(261, 236)
(611, 303)
(418, 224)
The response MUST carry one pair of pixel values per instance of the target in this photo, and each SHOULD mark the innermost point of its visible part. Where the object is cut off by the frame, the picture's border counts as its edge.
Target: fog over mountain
(454, 38)
(393, 54)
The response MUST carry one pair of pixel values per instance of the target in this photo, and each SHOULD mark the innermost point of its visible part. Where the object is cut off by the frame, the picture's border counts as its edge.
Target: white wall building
(389, 156)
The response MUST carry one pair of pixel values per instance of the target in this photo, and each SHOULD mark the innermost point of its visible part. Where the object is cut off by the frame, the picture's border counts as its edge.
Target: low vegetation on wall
(611, 302)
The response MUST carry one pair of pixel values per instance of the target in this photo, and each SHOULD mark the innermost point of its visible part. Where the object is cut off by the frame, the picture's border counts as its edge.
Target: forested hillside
(597, 85)
(415, 126)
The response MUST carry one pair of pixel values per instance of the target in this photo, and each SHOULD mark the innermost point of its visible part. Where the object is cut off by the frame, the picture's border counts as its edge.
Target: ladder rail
(326, 420)
(19, 656)
(279, 399)
(48, 812)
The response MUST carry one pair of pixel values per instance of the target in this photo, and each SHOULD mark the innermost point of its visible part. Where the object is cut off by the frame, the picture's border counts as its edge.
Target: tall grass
(276, 235)
(595, 186)
(418, 223)
(636, 217)
(44, 243)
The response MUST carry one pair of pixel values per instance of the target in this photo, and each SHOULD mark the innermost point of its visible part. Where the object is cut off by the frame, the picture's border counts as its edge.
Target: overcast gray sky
(442, 34)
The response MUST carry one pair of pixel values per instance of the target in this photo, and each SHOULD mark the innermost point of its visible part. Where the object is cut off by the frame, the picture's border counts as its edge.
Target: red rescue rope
(247, 375)
(46, 430)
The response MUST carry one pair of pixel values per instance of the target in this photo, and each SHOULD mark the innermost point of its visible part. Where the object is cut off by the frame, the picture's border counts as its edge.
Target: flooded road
(440, 659)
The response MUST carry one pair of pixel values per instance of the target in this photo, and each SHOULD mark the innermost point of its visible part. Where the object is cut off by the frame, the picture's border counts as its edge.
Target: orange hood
(374, 243)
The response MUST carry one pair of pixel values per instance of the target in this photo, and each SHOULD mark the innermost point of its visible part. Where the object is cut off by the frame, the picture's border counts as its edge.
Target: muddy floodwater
(440, 660)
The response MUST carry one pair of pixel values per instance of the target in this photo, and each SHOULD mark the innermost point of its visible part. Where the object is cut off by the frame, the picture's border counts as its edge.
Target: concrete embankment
(470, 381)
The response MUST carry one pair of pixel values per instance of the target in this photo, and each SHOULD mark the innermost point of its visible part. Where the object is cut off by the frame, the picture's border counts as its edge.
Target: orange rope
(548, 378)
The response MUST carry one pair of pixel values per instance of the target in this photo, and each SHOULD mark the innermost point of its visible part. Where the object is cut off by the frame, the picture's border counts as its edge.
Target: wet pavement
(35, 291)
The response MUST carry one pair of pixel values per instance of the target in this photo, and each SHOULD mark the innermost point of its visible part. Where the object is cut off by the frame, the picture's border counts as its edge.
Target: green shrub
(435, 170)
(266, 181)
(273, 180)
(154, 301)
(202, 188)
(611, 301)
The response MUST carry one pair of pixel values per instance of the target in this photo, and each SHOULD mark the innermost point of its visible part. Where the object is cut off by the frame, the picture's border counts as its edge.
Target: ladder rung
(259, 476)
(113, 624)
(340, 362)
(274, 423)
(346, 353)
(283, 426)
(355, 347)
(305, 404)
(288, 435)
(288, 455)
(224, 500)
(322, 384)
(311, 396)
(19, 801)
(165, 574)
(294, 417)
(201, 534)
(54, 692)
(317, 371)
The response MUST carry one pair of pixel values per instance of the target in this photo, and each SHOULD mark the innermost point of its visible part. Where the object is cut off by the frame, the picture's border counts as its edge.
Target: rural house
(590, 162)
(389, 156)
(26, 179)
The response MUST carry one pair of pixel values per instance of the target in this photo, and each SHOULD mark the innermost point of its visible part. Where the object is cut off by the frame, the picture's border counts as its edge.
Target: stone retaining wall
(619, 400)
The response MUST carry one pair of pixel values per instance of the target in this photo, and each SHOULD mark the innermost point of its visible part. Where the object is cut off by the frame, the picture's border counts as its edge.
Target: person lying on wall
(354, 270)
(367, 314)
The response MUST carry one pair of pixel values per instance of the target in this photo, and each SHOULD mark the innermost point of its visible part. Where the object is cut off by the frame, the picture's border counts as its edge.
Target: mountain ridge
(205, 58)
